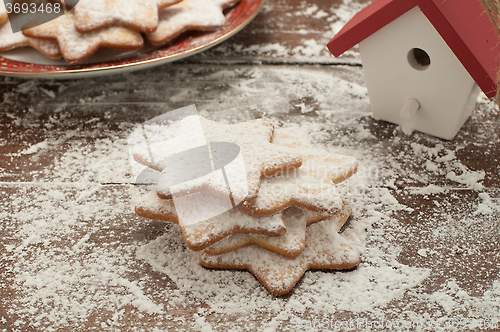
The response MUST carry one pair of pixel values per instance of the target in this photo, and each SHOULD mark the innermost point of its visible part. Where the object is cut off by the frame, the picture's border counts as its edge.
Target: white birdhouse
(425, 61)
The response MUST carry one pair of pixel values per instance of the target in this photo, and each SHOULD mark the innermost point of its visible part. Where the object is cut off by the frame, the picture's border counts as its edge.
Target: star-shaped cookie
(325, 249)
(202, 234)
(139, 15)
(312, 186)
(76, 46)
(10, 40)
(260, 157)
(291, 244)
(200, 15)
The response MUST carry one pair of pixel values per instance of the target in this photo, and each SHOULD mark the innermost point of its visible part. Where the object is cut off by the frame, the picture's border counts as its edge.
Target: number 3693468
(24, 8)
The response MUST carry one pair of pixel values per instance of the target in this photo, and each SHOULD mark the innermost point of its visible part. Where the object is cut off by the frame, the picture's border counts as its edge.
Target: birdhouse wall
(394, 62)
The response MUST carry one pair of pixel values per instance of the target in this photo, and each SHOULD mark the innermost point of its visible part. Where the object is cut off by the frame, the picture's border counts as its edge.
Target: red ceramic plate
(27, 63)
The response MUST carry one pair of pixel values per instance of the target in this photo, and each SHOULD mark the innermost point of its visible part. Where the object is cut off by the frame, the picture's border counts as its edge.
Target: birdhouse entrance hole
(419, 59)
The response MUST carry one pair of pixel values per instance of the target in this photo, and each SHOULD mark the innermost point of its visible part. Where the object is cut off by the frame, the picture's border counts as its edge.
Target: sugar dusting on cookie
(141, 15)
(74, 252)
(201, 232)
(75, 46)
(201, 15)
(311, 186)
(324, 249)
(291, 244)
(9, 40)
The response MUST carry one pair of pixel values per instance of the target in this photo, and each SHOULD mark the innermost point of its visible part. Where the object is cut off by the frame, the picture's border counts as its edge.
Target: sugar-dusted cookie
(200, 15)
(76, 46)
(200, 235)
(153, 207)
(10, 40)
(291, 244)
(139, 15)
(325, 249)
(260, 157)
(331, 166)
(312, 186)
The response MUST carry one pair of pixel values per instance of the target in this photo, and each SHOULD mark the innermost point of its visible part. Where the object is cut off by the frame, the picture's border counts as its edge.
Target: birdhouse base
(449, 129)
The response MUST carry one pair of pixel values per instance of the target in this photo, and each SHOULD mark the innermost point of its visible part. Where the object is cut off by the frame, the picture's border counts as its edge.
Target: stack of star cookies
(287, 221)
(122, 25)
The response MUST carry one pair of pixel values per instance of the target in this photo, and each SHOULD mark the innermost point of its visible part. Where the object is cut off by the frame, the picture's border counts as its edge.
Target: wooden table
(75, 257)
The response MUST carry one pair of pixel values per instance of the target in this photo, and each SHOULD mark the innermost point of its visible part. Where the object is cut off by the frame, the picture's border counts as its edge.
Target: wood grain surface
(75, 257)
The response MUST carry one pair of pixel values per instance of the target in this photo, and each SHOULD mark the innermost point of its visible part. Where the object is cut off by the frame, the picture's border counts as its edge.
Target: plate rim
(123, 65)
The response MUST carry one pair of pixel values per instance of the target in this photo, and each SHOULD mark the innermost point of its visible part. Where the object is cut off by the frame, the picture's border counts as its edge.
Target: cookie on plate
(139, 15)
(75, 46)
(199, 15)
(10, 40)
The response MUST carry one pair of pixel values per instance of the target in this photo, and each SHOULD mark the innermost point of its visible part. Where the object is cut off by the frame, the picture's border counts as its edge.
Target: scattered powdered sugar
(35, 148)
(487, 206)
(77, 46)
(354, 291)
(313, 45)
(343, 14)
(74, 254)
(64, 259)
(469, 178)
(310, 48)
(430, 189)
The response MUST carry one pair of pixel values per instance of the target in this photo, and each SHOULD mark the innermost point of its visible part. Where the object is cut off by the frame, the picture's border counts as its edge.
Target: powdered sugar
(204, 15)
(10, 40)
(92, 262)
(324, 249)
(261, 158)
(35, 148)
(312, 47)
(204, 232)
(487, 206)
(311, 186)
(91, 15)
(291, 244)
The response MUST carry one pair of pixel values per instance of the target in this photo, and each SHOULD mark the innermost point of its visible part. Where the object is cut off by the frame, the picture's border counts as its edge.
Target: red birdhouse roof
(463, 24)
